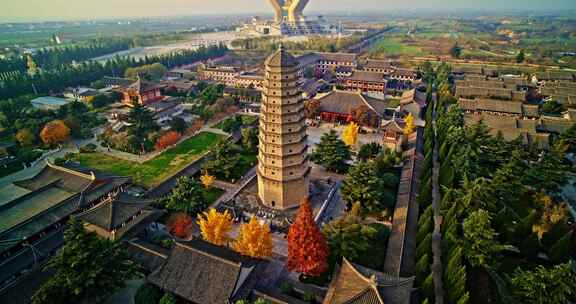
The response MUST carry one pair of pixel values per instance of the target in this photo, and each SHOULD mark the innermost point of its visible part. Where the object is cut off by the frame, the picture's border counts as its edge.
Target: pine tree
(331, 152)
(307, 248)
(561, 250)
(215, 227)
(428, 287)
(254, 240)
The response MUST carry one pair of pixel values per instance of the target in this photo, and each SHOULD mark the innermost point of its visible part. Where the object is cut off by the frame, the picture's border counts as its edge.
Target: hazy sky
(83, 9)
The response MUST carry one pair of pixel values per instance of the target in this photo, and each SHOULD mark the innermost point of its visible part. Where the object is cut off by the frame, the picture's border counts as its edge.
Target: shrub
(147, 294)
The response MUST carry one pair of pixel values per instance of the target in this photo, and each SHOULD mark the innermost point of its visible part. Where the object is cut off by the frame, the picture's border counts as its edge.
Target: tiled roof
(345, 102)
(367, 76)
(113, 212)
(203, 273)
(378, 64)
(338, 57)
(354, 284)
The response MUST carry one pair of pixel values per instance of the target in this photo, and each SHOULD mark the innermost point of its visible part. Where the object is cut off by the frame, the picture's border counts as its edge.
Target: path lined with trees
(437, 234)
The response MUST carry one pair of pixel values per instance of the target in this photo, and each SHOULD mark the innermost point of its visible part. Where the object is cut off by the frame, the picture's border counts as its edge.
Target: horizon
(15, 11)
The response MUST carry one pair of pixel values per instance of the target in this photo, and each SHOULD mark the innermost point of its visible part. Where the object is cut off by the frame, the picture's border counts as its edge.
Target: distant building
(366, 82)
(243, 95)
(50, 103)
(248, 80)
(80, 93)
(328, 62)
(221, 74)
(143, 92)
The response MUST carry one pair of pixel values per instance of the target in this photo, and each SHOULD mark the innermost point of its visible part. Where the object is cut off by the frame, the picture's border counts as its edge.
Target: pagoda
(283, 170)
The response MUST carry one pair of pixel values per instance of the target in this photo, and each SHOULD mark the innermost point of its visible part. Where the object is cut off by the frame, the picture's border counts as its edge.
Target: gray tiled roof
(203, 273)
(345, 102)
(111, 213)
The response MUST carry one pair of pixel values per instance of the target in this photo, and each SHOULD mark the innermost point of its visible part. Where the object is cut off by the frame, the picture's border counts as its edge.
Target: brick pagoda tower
(283, 170)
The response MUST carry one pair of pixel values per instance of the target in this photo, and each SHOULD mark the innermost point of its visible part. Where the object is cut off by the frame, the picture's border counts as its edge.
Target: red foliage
(232, 109)
(167, 140)
(307, 248)
(196, 126)
(180, 225)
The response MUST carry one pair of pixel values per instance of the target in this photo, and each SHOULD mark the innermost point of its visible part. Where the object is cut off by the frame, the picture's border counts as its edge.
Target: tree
(207, 180)
(479, 239)
(222, 161)
(54, 132)
(147, 294)
(348, 237)
(250, 139)
(456, 51)
(25, 137)
(169, 139)
(546, 286)
(363, 185)
(168, 298)
(331, 152)
(254, 239)
(369, 151)
(550, 213)
(179, 125)
(215, 226)
(350, 134)
(552, 107)
(562, 249)
(187, 196)
(180, 224)
(87, 269)
(307, 248)
(32, 66)
(409, 128)
(141, 124)
(312, 108)
(520, 57)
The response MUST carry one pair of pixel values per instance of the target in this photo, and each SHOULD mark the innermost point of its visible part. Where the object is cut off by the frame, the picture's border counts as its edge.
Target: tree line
(50, 58)
(70, 75)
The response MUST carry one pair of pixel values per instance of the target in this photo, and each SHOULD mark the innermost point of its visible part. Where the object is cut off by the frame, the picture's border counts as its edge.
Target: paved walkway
(437, 234)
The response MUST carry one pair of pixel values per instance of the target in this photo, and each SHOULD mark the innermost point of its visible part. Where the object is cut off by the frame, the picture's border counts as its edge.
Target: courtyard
(154, 171)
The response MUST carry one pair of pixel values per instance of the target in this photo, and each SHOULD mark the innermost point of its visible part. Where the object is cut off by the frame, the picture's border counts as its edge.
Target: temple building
(33, 218)
(143, 92)
(340, 106)
(118, 216)
(201, 273)
(354, 284)
(283, 170)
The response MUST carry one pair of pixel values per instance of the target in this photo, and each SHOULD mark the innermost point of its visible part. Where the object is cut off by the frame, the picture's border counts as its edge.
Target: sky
(23, 10)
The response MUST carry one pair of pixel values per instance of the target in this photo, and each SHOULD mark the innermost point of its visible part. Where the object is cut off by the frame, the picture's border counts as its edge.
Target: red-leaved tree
(180, 225)
(307, 248)
(167, 140)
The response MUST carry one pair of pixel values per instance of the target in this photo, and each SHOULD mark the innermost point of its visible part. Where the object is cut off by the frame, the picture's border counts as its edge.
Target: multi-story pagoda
(283, 170)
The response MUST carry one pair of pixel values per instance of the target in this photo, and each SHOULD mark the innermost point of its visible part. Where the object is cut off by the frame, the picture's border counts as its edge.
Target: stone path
(437, 234)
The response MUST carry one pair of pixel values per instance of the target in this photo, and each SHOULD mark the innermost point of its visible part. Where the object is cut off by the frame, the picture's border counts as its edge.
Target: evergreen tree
(364, 186)
(332, 153)
(479, 239)
(187, 196)
(86, 270)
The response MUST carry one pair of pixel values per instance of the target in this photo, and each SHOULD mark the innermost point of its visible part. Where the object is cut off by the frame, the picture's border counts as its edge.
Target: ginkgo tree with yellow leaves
(207, 179)
(350, 134)
(215, 226)
(254, 239)
(410, 127)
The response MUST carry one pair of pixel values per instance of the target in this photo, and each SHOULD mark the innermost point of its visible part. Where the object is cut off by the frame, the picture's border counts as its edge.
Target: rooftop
(203, 273)
(338, 101)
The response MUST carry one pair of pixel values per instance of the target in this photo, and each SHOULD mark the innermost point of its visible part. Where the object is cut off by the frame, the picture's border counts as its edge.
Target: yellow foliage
(215, 226)
(550, 215)
(350, 134)
(207, 179)
(54, 132)
(409, 129)
(254, 240)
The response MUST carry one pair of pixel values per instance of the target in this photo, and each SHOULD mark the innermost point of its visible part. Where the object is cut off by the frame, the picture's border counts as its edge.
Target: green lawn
(212, 194)
(246, 120)
(154, 171)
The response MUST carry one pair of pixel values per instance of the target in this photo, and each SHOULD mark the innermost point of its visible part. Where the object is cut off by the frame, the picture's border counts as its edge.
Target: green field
(154, 171)
(394, 47)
